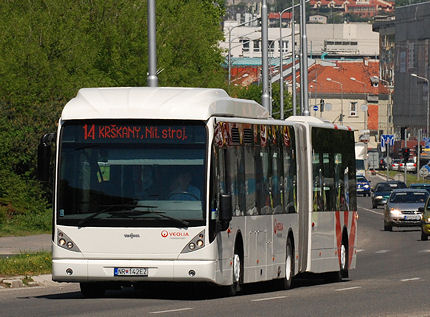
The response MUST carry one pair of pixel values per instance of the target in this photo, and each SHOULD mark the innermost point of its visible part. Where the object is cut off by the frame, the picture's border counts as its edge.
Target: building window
(245, 45)
(256, 45)
(353, 108)
(284, 46)
(271, 46)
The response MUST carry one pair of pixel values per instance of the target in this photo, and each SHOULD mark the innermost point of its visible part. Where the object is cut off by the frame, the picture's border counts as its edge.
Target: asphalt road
(391, 279)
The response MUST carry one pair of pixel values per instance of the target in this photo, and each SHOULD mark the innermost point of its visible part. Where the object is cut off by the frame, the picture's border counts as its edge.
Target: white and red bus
(191, 185)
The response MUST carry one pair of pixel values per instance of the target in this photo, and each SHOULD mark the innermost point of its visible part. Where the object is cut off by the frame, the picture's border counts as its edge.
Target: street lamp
(341, 100)
(428, 100)
(390, 88)
(293, 50)
(364, 91)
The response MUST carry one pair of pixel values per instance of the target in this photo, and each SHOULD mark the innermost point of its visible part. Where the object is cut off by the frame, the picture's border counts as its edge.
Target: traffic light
(405, 153)
(322, 105)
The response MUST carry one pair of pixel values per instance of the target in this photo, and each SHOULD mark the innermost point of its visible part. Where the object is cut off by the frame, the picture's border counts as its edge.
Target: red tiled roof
(275, 15)
(383, 4)
(342, 73)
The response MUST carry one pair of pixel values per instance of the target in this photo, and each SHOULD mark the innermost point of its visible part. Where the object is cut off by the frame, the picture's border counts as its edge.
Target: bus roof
(159, 103)
(316, 122)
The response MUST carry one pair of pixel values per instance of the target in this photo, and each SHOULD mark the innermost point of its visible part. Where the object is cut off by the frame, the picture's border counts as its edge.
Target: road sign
(427, 143)
(424, 171)
(315, 108)
(387, 139)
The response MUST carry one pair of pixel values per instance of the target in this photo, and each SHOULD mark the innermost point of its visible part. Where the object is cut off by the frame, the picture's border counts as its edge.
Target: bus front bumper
(74, 270)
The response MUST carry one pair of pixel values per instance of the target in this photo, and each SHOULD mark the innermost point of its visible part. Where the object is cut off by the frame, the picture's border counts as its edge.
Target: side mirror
(44, 157)
(226, 213)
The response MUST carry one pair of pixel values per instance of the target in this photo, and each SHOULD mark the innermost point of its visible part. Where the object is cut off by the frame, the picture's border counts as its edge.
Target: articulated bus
(191, 185)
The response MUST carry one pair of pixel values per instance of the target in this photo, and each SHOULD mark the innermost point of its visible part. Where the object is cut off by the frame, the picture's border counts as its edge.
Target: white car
(411, 166)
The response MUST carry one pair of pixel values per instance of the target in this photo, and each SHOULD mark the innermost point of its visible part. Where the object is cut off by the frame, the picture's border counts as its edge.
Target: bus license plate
(131, 271)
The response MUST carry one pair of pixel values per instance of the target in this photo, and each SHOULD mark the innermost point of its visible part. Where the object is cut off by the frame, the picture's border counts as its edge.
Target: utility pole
(304, 61)
(419, 153)
(152, 79)
(265, 98)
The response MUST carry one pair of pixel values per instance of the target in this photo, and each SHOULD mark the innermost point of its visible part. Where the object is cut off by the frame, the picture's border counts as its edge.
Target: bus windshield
(132, 174)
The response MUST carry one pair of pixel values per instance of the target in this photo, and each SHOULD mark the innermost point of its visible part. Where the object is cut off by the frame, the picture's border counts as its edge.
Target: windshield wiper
(159, 213)
(108, 209)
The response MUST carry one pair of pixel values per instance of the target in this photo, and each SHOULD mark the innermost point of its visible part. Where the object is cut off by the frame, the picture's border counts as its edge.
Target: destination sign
(133, 133)
(114, 131)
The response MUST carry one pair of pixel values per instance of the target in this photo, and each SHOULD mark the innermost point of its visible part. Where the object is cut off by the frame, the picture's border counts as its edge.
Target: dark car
(382, 164)
(420, 186)
(363, 186)
(382, 191)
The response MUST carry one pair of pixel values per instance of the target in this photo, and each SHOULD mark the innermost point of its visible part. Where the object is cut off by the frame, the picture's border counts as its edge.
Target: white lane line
(410, 279)
(424, 251)
(347, 289)
(382, 251)
(170, 311)
(268, 298)
(375, 212)
(360, 250)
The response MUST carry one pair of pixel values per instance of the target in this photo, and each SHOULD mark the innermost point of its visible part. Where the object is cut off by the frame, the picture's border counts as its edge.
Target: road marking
(424, 251)
(347, 289)
(375, 212)
(170, 311)
(410, 279)
(360, 250)
(268, 298)
(382, 251)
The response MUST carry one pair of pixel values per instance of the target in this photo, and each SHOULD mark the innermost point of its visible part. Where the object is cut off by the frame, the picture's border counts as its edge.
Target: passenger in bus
(144, 183)
(181, 188)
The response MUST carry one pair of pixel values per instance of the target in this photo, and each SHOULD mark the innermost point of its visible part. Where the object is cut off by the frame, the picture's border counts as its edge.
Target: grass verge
(27, 264)
(410, 177)
(24, 224)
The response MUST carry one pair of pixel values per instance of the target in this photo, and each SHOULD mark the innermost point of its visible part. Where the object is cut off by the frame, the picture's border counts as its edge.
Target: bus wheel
(287, 281)
(344, 259)
(235, 288)
(92, 290)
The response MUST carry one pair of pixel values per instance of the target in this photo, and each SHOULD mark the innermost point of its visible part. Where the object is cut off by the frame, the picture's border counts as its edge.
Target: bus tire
(92, 290)
(344, 256)
(287, 281)
(237, 269)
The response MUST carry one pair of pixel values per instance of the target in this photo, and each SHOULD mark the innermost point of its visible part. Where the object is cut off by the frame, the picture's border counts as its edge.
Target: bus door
(259, 222)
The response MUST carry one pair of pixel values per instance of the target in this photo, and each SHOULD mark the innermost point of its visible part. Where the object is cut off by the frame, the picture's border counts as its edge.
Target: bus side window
(232, 178)
(276, 179)
(241, 185)
(250, 181)
(266, 198)
(338, 179)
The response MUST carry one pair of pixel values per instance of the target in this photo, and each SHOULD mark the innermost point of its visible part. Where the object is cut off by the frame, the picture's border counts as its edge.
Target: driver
(181, 188)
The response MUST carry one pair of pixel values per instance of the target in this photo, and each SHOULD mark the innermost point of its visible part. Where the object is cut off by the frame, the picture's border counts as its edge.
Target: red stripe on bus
(352, 236)
(345, 218)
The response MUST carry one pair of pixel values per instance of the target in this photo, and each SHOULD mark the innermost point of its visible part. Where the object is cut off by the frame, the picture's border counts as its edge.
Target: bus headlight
(196, 243)
(65, 242)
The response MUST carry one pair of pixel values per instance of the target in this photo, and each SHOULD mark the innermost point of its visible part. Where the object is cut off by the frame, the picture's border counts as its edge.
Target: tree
(51, 48)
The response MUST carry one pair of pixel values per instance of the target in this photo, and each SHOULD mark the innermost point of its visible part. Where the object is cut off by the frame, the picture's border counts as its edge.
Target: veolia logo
(174, 234)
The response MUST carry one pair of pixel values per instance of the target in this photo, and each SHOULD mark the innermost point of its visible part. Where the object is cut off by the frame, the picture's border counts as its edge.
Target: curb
(13, 282)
